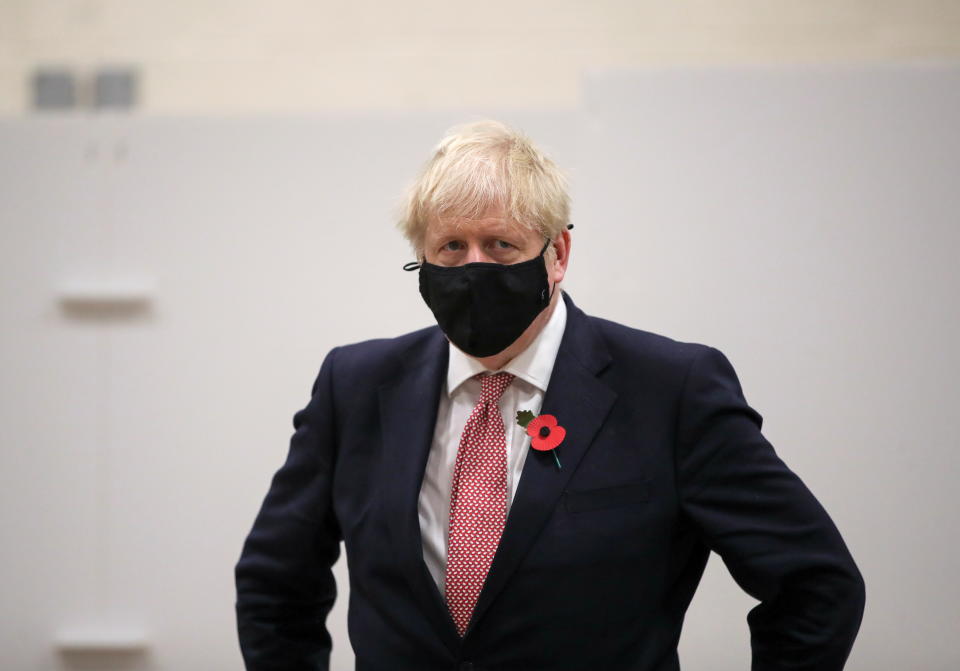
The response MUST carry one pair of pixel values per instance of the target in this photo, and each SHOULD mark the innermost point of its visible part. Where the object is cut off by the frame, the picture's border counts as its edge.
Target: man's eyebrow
(450, 228)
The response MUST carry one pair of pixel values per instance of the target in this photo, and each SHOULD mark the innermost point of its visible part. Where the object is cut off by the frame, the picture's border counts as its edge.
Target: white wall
(256, 56)
(801, 220)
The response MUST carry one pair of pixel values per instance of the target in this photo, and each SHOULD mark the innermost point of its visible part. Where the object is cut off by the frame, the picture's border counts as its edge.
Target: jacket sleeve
(285, 586)
(775, 538)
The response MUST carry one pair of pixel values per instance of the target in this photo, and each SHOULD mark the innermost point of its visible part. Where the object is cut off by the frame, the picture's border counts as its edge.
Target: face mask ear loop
(554, 287)
(413, 265)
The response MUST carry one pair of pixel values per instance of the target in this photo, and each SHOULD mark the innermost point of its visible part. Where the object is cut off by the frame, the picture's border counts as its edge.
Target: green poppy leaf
(524, 417)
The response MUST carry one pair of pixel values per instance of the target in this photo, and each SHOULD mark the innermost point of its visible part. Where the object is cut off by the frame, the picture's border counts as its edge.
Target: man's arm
(775, 538)
(285, 586)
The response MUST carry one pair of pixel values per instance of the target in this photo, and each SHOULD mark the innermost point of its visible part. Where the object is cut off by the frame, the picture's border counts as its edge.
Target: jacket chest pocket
(577, 501)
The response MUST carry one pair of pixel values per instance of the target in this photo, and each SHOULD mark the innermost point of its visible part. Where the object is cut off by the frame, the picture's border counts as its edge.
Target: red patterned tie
(478, 500)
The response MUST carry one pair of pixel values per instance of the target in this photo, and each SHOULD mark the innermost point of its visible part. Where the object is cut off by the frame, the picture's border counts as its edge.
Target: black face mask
(484, 307)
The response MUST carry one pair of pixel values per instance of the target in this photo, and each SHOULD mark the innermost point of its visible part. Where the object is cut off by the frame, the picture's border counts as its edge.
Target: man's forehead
(485, 223)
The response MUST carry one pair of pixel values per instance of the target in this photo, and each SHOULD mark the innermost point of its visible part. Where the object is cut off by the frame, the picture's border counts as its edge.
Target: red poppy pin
(545, 434)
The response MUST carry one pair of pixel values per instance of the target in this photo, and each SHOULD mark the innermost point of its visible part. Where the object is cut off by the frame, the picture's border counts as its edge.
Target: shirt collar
(533, 365)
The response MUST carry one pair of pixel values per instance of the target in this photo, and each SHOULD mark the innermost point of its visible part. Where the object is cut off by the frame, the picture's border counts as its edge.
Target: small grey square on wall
(54, 88)
(115, 87)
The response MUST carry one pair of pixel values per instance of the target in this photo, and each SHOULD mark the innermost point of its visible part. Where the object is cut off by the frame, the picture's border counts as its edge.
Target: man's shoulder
(383, 357)
(421, 337)
(640, 358)
(630, 345)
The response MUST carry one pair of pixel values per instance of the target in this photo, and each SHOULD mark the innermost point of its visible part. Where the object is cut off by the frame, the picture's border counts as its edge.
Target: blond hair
(484, 164)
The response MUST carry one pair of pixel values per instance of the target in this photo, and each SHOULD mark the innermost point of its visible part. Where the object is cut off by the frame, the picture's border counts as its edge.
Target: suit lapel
(580, 403)
(408, 411)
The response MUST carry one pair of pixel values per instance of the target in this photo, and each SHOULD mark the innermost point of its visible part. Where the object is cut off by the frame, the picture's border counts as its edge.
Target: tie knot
(493, 386)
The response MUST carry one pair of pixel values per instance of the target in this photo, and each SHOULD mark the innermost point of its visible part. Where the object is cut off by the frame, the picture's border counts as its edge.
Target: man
(525, 487)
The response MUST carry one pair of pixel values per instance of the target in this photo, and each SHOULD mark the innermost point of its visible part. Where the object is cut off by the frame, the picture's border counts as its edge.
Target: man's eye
(503, 244)
(452, 246)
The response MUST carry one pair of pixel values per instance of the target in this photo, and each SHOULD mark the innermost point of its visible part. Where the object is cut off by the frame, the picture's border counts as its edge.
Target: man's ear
(561, 248)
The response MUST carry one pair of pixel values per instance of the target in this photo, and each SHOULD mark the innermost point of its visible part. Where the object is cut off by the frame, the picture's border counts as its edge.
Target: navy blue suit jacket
(663, 461)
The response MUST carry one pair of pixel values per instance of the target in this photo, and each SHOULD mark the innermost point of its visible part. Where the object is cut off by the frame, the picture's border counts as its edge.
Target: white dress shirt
(532, 369)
